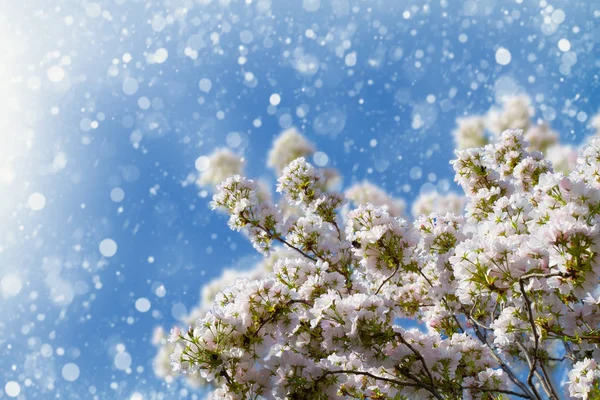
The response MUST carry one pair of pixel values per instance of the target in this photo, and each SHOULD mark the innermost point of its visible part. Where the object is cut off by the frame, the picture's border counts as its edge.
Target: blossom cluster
(222, 163)
(517, 112)
(501, 293)
(429, 202)
(162, 362)
(288, 146)
(584, 380)
(366, 192)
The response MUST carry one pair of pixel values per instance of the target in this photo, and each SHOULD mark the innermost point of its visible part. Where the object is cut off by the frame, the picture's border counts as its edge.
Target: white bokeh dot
(46, 350)
(93, 10)
(311, 5)
(205, 85)
(161, 55)
(137, 396)
(117, 195)
(233, 139)
(275, 99)
(70, 372)
(161, 291)
(36, 201)
(108, 247)
(130, 86)
(122, 360)
(350, 59)
(320, 159)
(144, 103)
(11, 285)
(558, 16)
(142, 305)
(416, 173)
(12, 388)
(56, 74)
(564, 45)
(202, 163)
(503, 56)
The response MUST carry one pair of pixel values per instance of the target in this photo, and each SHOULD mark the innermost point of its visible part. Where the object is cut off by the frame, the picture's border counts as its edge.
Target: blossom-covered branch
(495, 288)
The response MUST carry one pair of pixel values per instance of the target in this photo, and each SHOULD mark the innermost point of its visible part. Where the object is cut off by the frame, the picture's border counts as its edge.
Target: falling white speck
(503, 56)
(142, 304)
(12, 388)
(205, 85)
(46, 350)
(417, 121)
(275, 99)
(350, 59)
(130, 86)
(59, 162)
(93, 10)
(246, 36)
(416, 173)
(311, 5)
(558, 16)
(564, 45)
(144, 103)
(122, 360)
(70, 372)
(117, 195)
(179, 311)
(11, 285)
(321, 159)
(161, 291)
(56, 74)
(158, 23)
(36, 201)
(137, 396)
(233, 139)
(161, 55)
(202, 163)
(108, 247)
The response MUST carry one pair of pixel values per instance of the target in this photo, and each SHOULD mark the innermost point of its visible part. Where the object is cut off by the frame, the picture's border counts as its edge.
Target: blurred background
(106, 106)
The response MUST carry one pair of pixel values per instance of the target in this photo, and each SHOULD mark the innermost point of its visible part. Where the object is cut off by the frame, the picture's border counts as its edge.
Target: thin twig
(548, 381)
(419, 356)
(505, 367)
(536, 338)
(497, 391)
(525, 353)
(393, 381)
(386, 280)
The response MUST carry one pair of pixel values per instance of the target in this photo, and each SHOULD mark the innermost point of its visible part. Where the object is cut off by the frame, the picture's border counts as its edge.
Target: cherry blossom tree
(499, 296)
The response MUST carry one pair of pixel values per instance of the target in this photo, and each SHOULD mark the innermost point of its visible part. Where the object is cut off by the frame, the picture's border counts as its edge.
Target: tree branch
(388, 380)
(419, 356)
(505, 366)
(533, 363)
(497, 391)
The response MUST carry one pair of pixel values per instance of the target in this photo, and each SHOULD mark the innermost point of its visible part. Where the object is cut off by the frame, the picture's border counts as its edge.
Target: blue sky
(106, 95)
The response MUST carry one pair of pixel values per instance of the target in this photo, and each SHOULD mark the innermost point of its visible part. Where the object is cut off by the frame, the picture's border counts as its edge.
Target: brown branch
(548, 382)
(504, 366)
(524, 396)
(419, 356)
(282, 240)
(274, 314)
(430, 389)
(536, 340)
(226, 376)
(386, 280)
